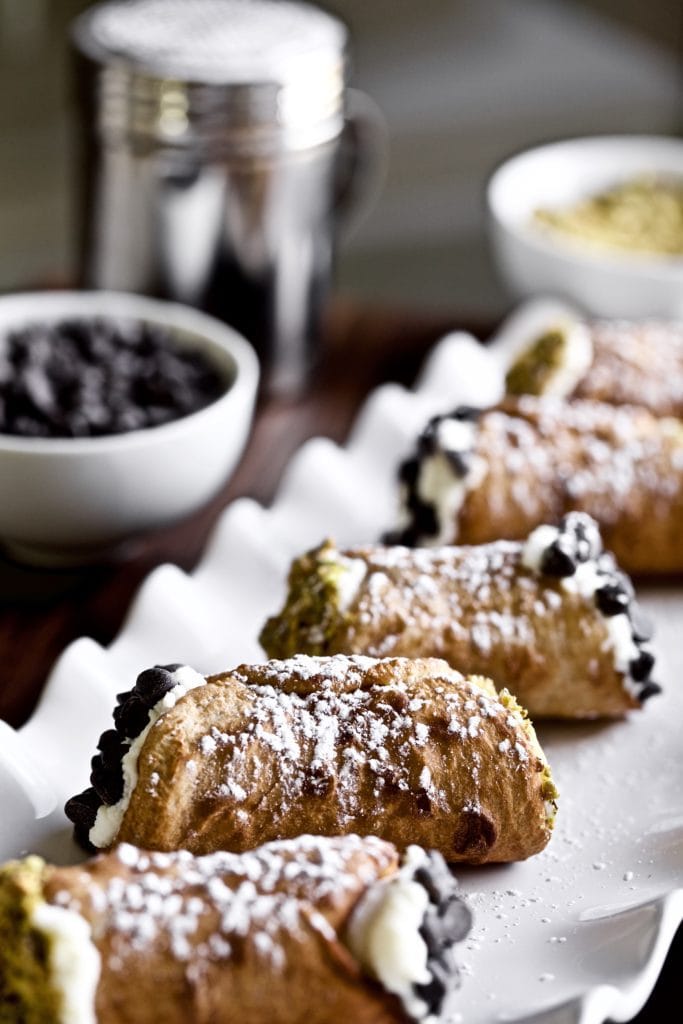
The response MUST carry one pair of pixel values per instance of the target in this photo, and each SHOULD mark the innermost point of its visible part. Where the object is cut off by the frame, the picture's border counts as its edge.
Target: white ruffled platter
(576, 935)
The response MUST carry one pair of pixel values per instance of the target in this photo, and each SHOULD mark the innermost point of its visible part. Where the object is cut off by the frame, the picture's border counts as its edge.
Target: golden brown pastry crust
(636, 362)
(407, 750)
(478, 608)
(173, 948)
(545, 457)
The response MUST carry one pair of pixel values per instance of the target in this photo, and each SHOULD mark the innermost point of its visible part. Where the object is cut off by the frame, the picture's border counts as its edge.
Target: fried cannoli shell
(621, 362)
(408, 750)
(536, 459)
(479, 608)
(178, 942)
(638, 363)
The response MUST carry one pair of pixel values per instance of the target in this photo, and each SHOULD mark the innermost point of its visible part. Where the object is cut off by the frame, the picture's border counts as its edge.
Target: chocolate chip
(448, 918)
(434, 991)
(428, 441)
(408, 472)
(131, 716)
(152, 684)
(106, 780)
(82, 811)
(444, 925)
(557, 562)
(475, 835)
(460, 462)
(436, 878)
(641, 666)
(467, 413)
(95, 376)
(649, 690)
(612, 600)
(425, 522)
(583, 535)
(113, 748)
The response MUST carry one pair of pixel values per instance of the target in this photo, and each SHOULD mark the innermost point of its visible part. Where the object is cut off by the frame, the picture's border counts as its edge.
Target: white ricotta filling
(456, 435)
(384, 933)
(585, 581)
(536, 545)
(439, 485)
(577, 356)
(73, 960)
(109, 818)
(349, 582)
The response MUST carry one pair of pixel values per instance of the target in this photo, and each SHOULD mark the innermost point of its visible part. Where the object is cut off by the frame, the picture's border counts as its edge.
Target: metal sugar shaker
(215, 133)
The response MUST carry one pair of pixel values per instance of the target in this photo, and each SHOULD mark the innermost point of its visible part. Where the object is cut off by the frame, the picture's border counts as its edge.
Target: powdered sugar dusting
(545, 456)
(337, 730)
(637, 361)
(209, 908)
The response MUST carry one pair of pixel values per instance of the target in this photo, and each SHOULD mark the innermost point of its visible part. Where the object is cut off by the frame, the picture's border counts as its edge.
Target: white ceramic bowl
(532, 261)
(65, 500)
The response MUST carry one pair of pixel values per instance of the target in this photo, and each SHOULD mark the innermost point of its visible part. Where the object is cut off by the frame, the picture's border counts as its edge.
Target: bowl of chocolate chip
(118, 414)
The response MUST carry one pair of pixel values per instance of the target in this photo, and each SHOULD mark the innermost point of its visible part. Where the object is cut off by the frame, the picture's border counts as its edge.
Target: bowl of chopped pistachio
(597, 220)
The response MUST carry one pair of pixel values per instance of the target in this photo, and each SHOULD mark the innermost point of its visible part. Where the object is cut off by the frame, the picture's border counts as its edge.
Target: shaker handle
(363, 163)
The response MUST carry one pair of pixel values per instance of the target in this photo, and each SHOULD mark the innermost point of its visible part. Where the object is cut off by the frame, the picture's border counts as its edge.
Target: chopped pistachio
(533, 369)
(26, 990)
(643, 214)
(549, 790)
(312, 607)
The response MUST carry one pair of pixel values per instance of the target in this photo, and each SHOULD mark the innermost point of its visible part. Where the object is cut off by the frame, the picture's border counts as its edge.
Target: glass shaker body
(219, 195)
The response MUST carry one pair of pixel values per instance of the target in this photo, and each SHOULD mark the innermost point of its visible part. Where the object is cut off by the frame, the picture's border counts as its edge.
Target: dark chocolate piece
(82, 811)
(612, 600)
(96, 376)
(153, 684)
(578, 541)
(423, 519)
(131, 716)
(641, 667)
(447, 920)
(649, 690)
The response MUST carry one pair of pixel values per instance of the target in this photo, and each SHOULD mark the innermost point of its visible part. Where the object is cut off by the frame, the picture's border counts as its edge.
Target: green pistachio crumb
(638, 215)
(27, 995)
(549, 791)
(311, 613)
(532, 371)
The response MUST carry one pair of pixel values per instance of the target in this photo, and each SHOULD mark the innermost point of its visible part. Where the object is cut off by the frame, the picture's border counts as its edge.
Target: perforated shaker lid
(269, 61)
(219, 41)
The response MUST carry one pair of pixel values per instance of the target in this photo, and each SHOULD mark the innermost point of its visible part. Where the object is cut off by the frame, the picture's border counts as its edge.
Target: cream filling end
(384, 933)
(74, 961)
(109, 817)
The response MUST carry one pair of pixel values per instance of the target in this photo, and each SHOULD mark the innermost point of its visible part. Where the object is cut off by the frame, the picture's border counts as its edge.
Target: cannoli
(408, 750)
(314, 929)
(616, 361)
(552, 618)
(483, 475)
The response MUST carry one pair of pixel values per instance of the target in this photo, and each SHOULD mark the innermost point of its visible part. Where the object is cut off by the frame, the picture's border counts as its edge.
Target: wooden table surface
(42, 611)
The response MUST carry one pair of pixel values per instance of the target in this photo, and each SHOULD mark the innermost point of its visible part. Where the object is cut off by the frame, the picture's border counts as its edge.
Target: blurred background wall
(461, 83)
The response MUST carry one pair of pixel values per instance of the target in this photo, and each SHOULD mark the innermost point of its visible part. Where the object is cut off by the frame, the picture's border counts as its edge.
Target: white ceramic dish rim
(259, 541)
(235, 356)
(568, 250)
